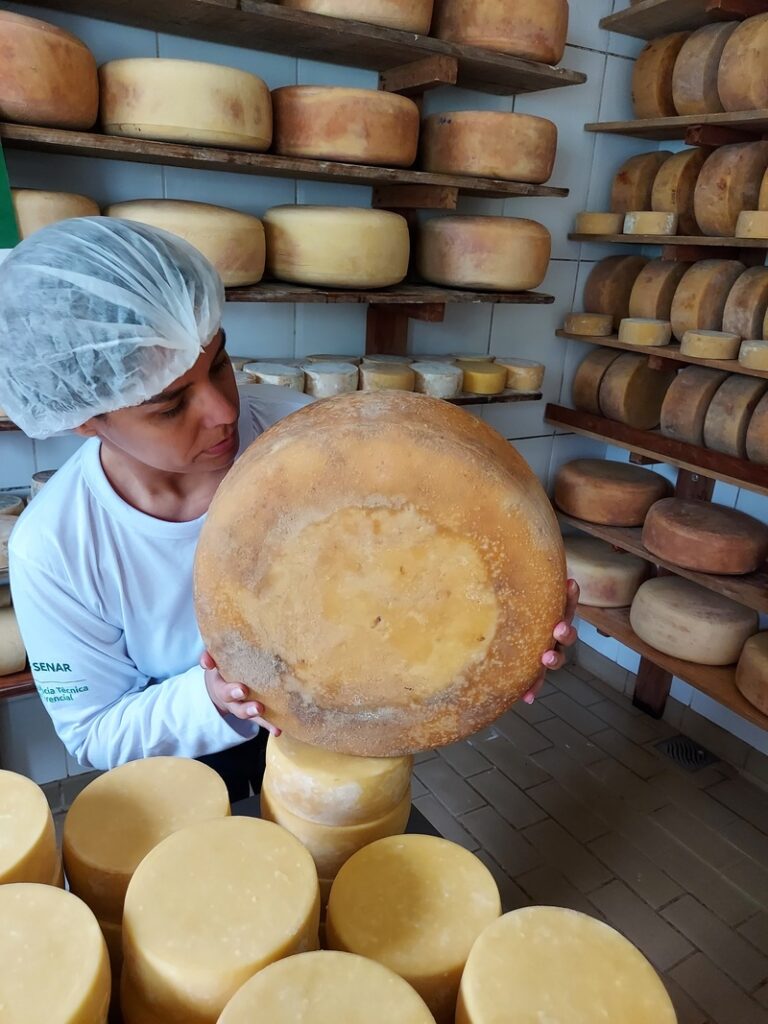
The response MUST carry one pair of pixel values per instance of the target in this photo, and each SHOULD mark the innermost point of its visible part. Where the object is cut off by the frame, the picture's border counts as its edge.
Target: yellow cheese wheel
(13, 657)
(185, 101)
(729, 182)
(27, 839)
(694, 79)
(327, 379)
(710, 344)
(687, 402)
(441, 380)
(357, 126)
(386, 377)
(35, 208)
(336, 246)
(523, 375)
(632, 187)
(607, 578)
(632, 393)
(484, 378)
(644, 331)
(747, 304)
(752, 223)
(489, 144)
(281, 375)
(607, 492)
(589, 223)
(654, 288)
(535, 29)
(232, 241)
(730, 412)
(652, 76)
(491, 253)
(757, 433)
(752, 672)
(47, 76)
(553, 964)
(674, 187)
(407, 15)
(596, 325)
(431, 601)
(585, 390)
(741, 81)
(610, 285)
(647, 222)
(700, 298)
(754, 355)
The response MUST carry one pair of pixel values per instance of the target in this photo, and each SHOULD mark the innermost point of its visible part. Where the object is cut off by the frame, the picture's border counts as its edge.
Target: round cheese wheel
(357, 126)
(729, 182)
(238, 362)
(704, 536)
(335, 358)
(27, 839)
(611, 493)
(335, 246)
(757, 433)
(535, 29)
(632, 187)
(7, 523)
(752, 672)
(710, 345)
(460, 358)
(607, 578)
(596, 325)
(647, 222)
(47, 76)
(644, 331)
(232, 241)
(729, 413)
(589, 223)
(700, 298)
(13, 657)
(752, 224)
(632, 393)
(686, 403)
(610, 285)
(185, 101)
(747, 303)
(484, 378)
(386, 377)
(523, 375)
(53, 960)
(280, 374)
(585, 390)
(506, 254)
(11, 505)
(694, 78)
(654, 288)
(559, 965)
(437, 569)
(684, 620)
(741, 82)
(489, 144)
(754, 355)
(39, 480)
(416, 904)
(209, 907)
(441, 380)
(326, 379)
(674, 187)
(122, 815)
(652, 76)
(380, 359)
(407, 15)
(35, 208)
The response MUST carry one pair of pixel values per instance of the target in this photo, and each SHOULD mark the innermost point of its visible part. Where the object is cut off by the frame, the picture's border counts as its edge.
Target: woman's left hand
(565, 635)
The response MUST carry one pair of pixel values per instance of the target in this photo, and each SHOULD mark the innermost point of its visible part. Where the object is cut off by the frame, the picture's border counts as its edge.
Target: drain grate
(684, 752)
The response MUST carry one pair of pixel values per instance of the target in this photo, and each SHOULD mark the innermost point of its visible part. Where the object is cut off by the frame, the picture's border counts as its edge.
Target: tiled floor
(568, 802)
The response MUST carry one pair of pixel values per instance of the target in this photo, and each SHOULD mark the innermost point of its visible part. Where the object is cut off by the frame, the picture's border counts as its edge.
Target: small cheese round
(652, 76)
(336, 358)
(13, 656)
(700, 299)
(754, 355)
(747, 303)
(674, 187)
(728, 183)
(644, 331)
(610, 285)
(654, 289)
(595, 325)
(752, 672)
(757, 433)
(11, 505)
(684, 620)
(39, 480)
(730, 412)
(704, 536)
(406, 15)
(326, 379)
(238, 362)
(632, 393)
(585, 390)
(741, 81)
(710, 345)
(35, 208)
(607, 578)
(646, 222)
(589, 223)
(535, 29)
(27, 838)
(7, 523)
(484, 378)
(472, 357)
(632, 186)
(280, 374)
(694, 79)
(611, 493)
(752, 224)
(687, 402)
(386, 377)
(384, 358)
(441, 380)
(524, 376)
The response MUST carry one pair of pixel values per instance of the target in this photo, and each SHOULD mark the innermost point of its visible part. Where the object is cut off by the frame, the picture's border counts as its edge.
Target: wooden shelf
(7, 425)
(707, 241)
(668, 128)
(258, 25)
(16, 685)
(650, 18)
(405, 294)
(504, 397)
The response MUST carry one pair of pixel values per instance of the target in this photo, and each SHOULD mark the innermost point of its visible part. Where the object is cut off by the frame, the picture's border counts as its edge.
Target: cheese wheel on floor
(27, 839)
(752, 672)
(524, 376)
(610, 285)
(427, 616)
(489, 144)
(337, 246)
(730, 412)
(589, 223)
(13, 656)
(406, 15)
(705, 536)
(357, 126)
(607, 578)
(122, 815)
(754, 355)
(611, 493)
(710, 344)
(654, 288)
(647, 222)
(585, 390)
(35, 208)
(280, 374)
(741, 81)
(595, 325)
(700, 299)
(674, 188)
(644, 331)
(416, 904)
(507, 254)
(684, 620)
(694, 78)
(47, 76)
(553, 964)
(747, 303)
(752, 224)
(632, 187)
(440, 380)
(728, 183)
(386, 377)
(652, 76)
(535, 29)
(757, 433)
(185, 101)
(232, 241)
(687, 402)
(632, 393)
(327, 379)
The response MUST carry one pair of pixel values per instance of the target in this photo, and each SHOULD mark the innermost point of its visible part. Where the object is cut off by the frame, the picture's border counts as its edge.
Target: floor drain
(684, 752)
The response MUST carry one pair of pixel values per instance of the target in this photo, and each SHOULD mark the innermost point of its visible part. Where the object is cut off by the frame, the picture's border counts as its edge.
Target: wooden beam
(694, 486)
(386, 330)
(652, 688)
(418, 76)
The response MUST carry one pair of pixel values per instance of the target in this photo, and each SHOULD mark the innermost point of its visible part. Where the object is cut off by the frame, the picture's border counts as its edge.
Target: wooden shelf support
(415, 78)
(415, 197)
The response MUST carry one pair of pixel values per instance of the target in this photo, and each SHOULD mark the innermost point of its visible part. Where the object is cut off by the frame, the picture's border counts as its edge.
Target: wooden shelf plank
(668, 128)
(6, 424)
(718, 683)
(707, 241)
(111, 147)
(258, 25)
(402, 294)
(505, 397)
(16, 685)
(650, 18)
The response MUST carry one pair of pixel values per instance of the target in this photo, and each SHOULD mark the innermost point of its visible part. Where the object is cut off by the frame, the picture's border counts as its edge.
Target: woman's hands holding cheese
(233, 698)
(565, 635)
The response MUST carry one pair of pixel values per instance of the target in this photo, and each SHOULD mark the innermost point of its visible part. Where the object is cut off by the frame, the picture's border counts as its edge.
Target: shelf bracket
(387, 325)
(415, 78)
(693, 486)
(652, 688)
(724, 10)
(415, 197)
(713, 135)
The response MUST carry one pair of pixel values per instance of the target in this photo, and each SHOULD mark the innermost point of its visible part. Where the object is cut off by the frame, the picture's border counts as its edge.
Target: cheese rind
(610, 285)
(694, 78)
(705, 536)
(13, 656)
(644, 331)
(632, 393)
(36, 208)
(386, 377)
(687, 402)
(728, 183)
(484, 378)
(632, 186)
(384, 359)
(741, 82)
(752, 224)
(757, 433)
(327, 379)
(674, 188)
(752, 672)
(747, 303)
(700, 298)
(524, 376)
(441, 380)
(280, 374)
(596, 325)
(730, 412)
(11, 505)
(647, 222)
(710, 344)
(611, 493)
(754, 355)
(27, 839)
(607, 578)
(589, 223)
(335, 358)
(406, 15)
(585, 390)
(654, 289)
(534, 29)
(652, 76)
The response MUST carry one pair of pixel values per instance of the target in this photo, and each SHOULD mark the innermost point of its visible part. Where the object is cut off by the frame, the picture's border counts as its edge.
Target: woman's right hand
(233, 698)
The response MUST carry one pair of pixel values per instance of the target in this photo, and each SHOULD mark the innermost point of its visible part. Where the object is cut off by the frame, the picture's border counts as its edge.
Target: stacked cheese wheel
(622, 386)
(28, 850)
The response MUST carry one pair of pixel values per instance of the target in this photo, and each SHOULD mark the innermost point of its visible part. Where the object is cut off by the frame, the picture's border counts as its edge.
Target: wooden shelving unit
(663, 129)
(700, 241)
(650, 18)
(400, 295)
(16, 685)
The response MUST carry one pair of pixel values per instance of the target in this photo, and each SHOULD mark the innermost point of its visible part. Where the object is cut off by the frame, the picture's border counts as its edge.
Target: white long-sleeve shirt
(103, 597)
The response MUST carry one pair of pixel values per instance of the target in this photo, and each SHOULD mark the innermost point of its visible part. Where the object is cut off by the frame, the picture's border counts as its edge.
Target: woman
(113, 330)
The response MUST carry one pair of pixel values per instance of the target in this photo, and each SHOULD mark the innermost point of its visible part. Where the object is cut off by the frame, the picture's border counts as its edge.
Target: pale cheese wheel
(705, 536)
(632, 187)
(39, 480)
(610, 285)
(47, 76)
(553, 964)
(209, 907)
(13, 656)
(585, 390)
(644, 331)
(385, 357)
(728, 183)
(326, 379)
(632, 393)
(684, 620)
(535, 29)
(356, 126)
(238, 362)
(506, 254)
(242, 379)
(122, 815)
(35, 208)
(754, 355)
(757, 433)
(407, 15)
(54, 967)
(524, 376)
(436, 565)
(654, 289)
(337, 246)
(752, 672)
(730, 412)
(440, 380)
(752, 224)
(386, 377)
(336, 358)
(747, 303)
(607, 578)
(610, 493)
(27, 838)
(484, 378)
(185, 101)
(674, 187)
(694, 79)
(595, 325)
(11, 505)
(647, 222)
(7, 523)
(700, 298)
(232, 241)
(652, 76)
(416, 904)
(280, 374)
(589, 223)
(741, 81)
(687, 402)
(710, 345)
(489, 144)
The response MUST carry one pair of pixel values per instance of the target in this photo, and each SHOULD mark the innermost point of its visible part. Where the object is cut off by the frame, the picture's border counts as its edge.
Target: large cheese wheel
(122, 815)
(484, 378)
(752, 223)
(47, 76)
(674, 187)
(754, 355)
(591, 325)
(553, 964)
(652, 76)
(232, 241)
(53, 960)
(654, 289)
(489, 144)
(358, 126)
(535, 29)
(607, 578)
(694, 79)
(645, 331)
(407, 15)
(757, 433)
(632, 187)
(632, 393)
(585, 390)
(705, 536)
(13, 657)
(27, 838)
(700, 298)
(687, 402)
(741, 81)
(493, 253)
(208, 908)
(611, 493)
(525, 376)
(728, 183)
(35, 208)
(386, 377)
(437, 568)
(610, 285)
(684, 620)
(416, 904)
(729, 414)
(747, 303)
(710, 344)
(752, 672)
(335, 246)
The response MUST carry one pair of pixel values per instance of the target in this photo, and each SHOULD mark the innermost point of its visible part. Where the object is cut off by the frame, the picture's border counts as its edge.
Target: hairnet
(99, 314)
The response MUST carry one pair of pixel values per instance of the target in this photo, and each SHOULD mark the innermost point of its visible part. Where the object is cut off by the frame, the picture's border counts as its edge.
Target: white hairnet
(99, 314)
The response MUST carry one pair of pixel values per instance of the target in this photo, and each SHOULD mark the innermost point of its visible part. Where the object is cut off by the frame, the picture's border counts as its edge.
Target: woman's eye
(218, 367)
(170, 413)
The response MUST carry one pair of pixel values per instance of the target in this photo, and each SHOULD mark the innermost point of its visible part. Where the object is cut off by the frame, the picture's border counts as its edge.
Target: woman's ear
(88, 429)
